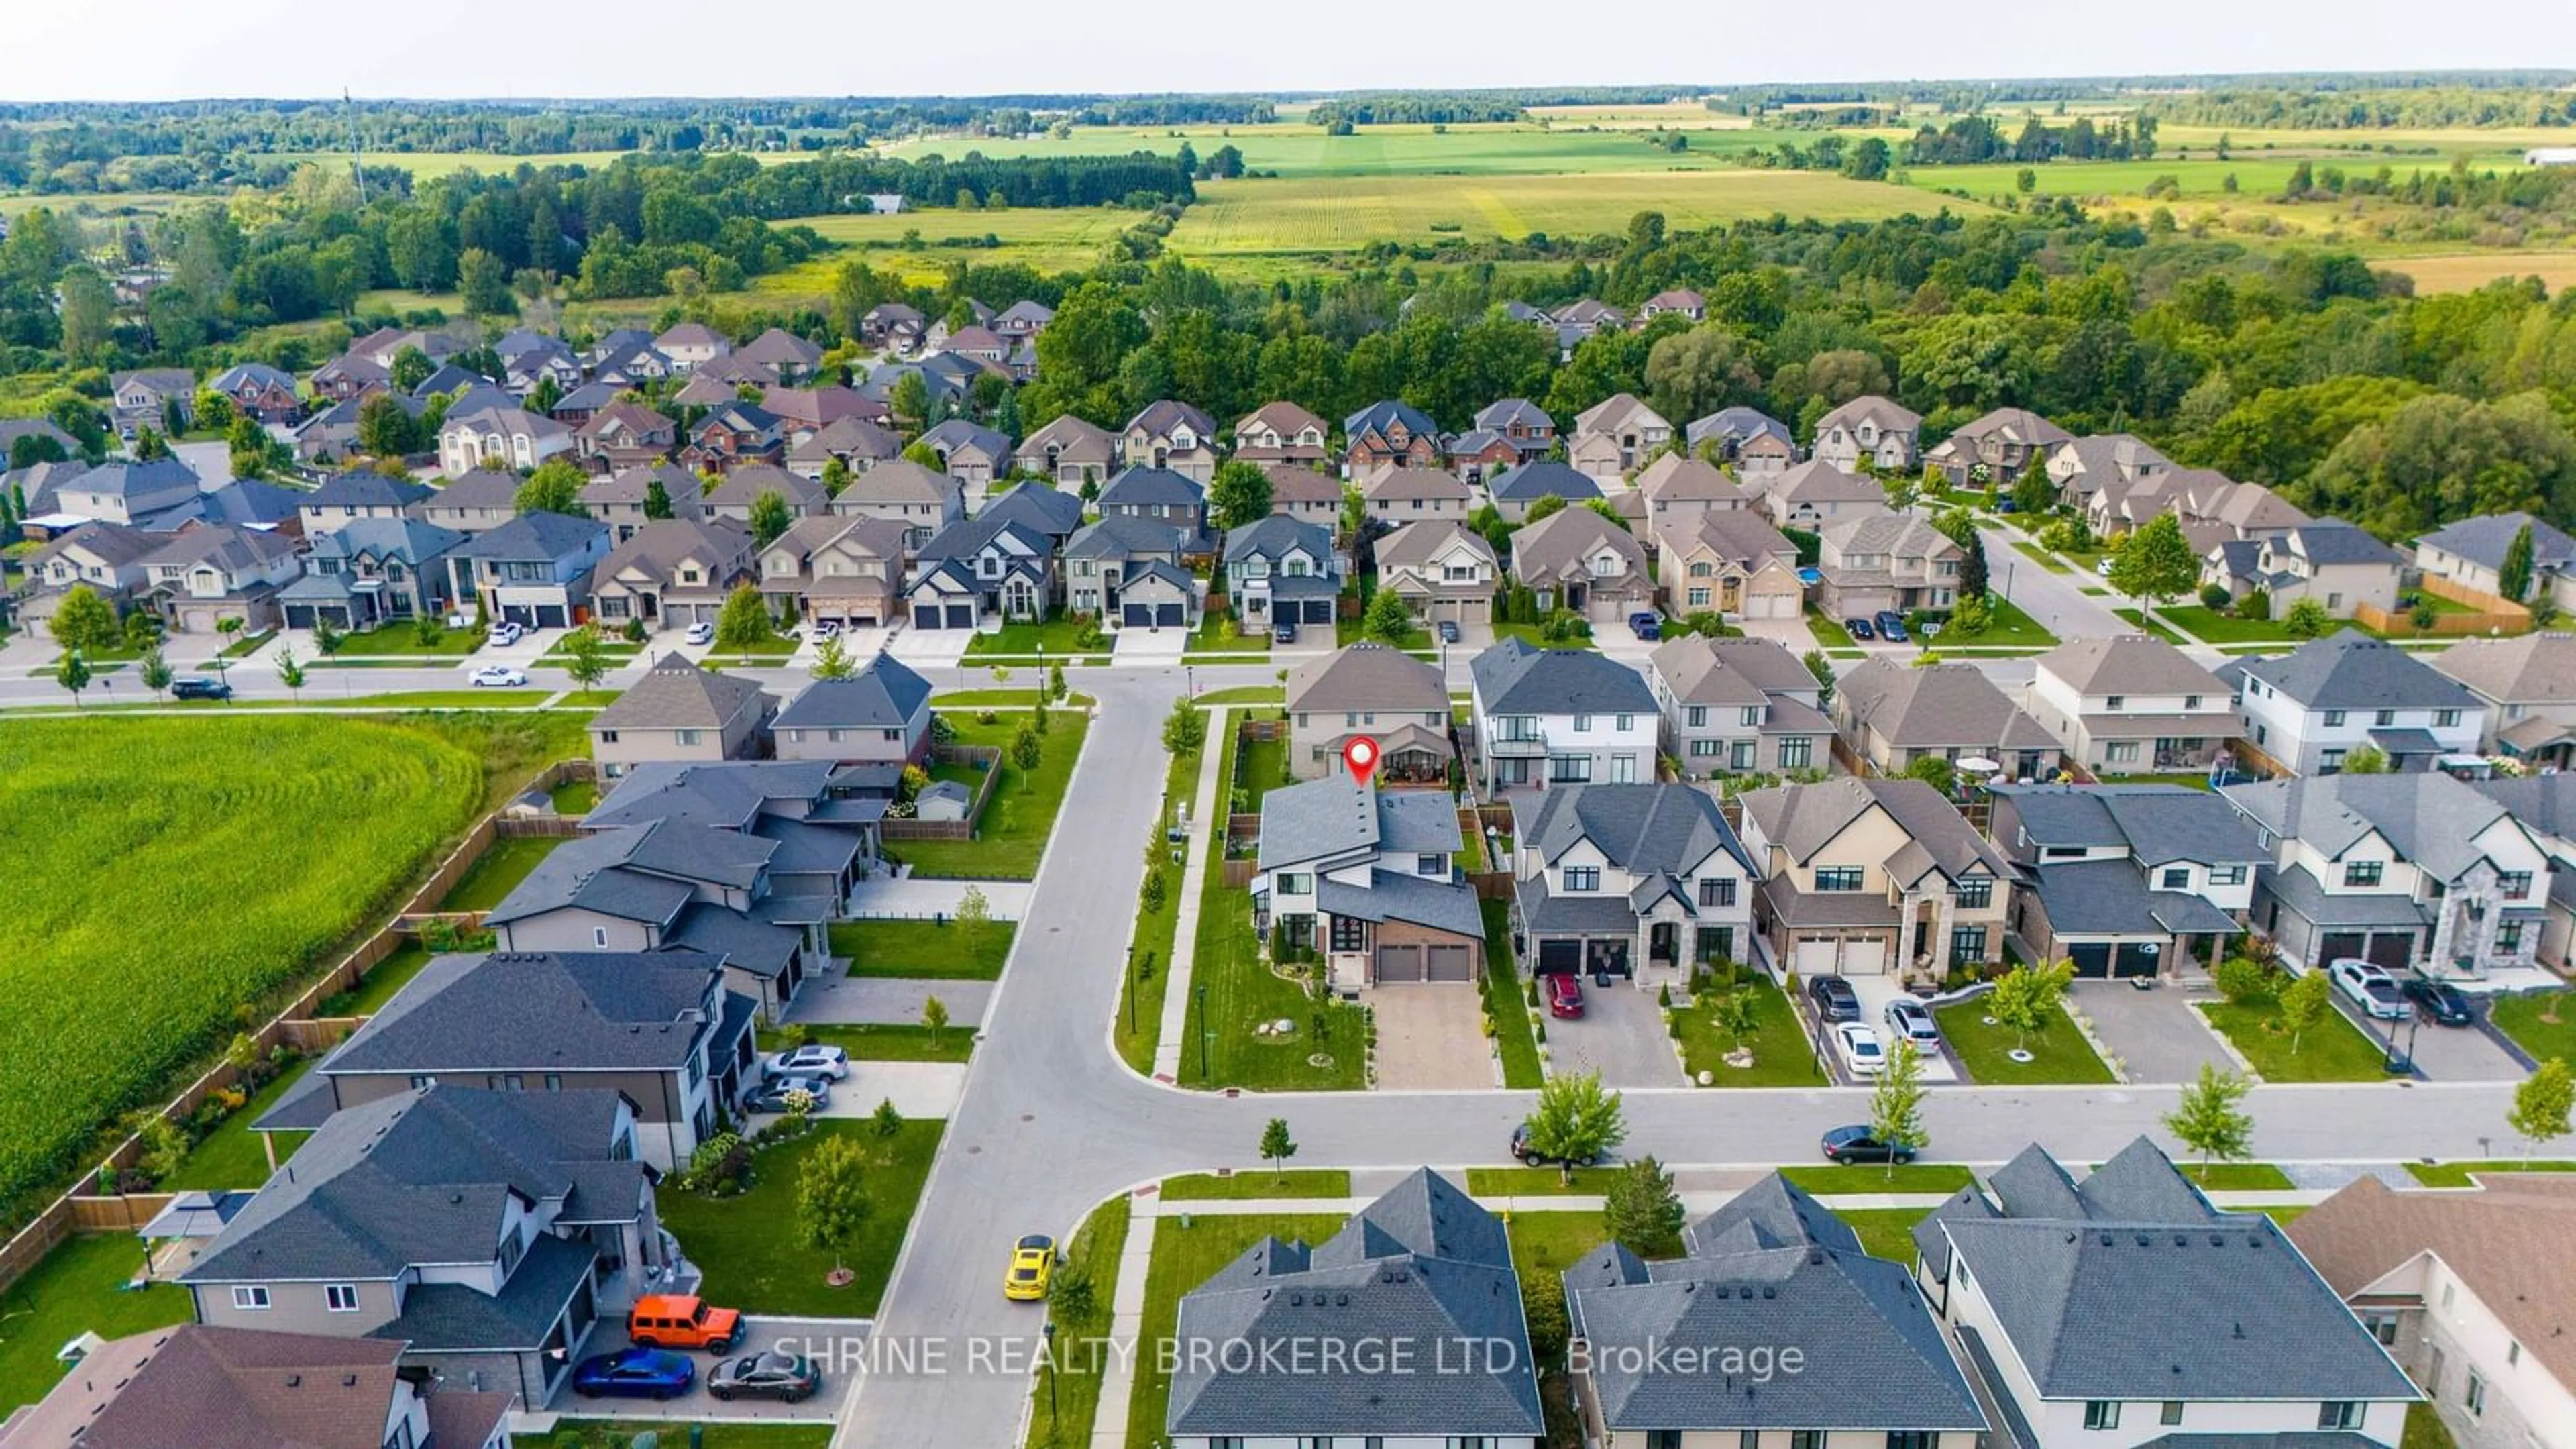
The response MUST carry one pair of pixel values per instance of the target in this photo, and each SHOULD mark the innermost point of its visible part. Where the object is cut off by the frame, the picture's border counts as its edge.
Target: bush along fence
(987, 758)
(92, 1205)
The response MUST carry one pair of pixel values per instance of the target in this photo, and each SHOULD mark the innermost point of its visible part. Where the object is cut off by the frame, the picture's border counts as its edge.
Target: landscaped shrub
(2214, 596)
(2245, 982)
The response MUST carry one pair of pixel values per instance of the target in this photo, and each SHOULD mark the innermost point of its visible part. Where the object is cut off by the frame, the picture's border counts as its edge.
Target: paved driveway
(1620, 1035)
(890, 999)
(1431, 1038)
(2155, 1034)
(835, 1344)
(2442, 1053)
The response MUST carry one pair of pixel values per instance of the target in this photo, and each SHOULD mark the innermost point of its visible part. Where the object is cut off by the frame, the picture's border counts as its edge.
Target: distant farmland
(2468, 271)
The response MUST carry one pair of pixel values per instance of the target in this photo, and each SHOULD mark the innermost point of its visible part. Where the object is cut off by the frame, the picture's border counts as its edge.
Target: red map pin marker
(1361, 756)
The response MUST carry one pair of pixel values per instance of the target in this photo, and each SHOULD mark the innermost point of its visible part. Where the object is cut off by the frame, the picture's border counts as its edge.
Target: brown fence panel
(118, 1214)
(1237, 874)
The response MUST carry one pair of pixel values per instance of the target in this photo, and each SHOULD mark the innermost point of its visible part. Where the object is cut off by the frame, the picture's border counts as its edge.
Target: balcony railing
(1517, 748)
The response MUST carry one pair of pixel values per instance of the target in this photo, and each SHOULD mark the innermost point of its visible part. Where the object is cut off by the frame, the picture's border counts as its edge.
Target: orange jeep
(672, 1320)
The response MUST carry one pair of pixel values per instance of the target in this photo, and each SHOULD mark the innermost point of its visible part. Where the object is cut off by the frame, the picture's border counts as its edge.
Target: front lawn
(490, 879)
(1505, 1004)
(1221, 634)
(79, 1287)
(2425, 1429)
(2216, 628)
(2041, 556)
(2059, 1054)
(702, 1434)
(934, 950)
(2526, 1018)
(1535, 635)
(231, 1156)
(1069, 1382)
(1538, 1181)
(1184, 1258)
(1055, 636)
(1550, 1243)
(1782, 1056)
(1138, 1029)
(1354, 631)
(2145, 625)
(882, 1042)
(401, 638)
(1246, 694)
(1022, 813)
(1832, 637)
(2006, 625)
(1003, 699)
(2458, 1174)
(1258, 1184)
(1821, 1178)
(379, 984)
(748, 1245)
(2239, 1177)
(1886, 1232)
(2333, 1050)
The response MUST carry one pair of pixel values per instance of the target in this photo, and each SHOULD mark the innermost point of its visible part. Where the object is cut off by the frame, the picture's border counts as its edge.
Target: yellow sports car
(1031, 1261)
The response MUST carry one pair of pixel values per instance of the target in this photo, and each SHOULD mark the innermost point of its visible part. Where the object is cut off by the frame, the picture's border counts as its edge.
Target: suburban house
(1070, 451)
(2083, 467)
(805, 412)
(483, 499)
(1162, 495)
(623, 500)
(107, 558)
(624, 435)
(2127, 880)
(330, 435)
(742, 489)
(136, 493)
(673, 572)
(358, 493)
(503, 437)
(1579, 561)
(972, 454)
(1388, 435)
(1479, 453)
(2470, 553)
(1423, 1268)
(848, 571)
(2528, 685)
(1869, 432)
(990, 566)
(1523, 423)
(1023, 320)
(655, 1028)
(2419, 870)
(2307, 709)
(1771, 1267)
(1872, 876)
(1370, 689)
(1126, 571)
(733, 434)
(1817, 492)
(791, 356)
(1614, 437)
(856, 443)
(1549, 717)
(372, 571)
(1885, 562)
(1170, 436)
(1679, 301)
(893, 324)
(1751, 440)
(1514, 491)
(2226, 1336)
(2130, 705)
(821, 815)
(1303, 493)
(690, 345)
(259, 390)
(1282, 432)
(1644, 881)
(1738, 706)
(216, 571)
(1398, 496)
(2545, 803)
(1281, 571)
(1679, 488)
(1443, 570)
(240, 1388)
(1997, 448)
(680, 711)
(1893, 714)
(878, 716)
(1368, 880)
(142, 398)
(2327, 560)
(347, 377)
(533, 570)
(2468, 1290)
(924, 500)
(1730, 562)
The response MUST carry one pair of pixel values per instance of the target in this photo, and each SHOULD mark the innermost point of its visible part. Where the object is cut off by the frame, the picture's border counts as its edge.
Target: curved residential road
(1051, 1122)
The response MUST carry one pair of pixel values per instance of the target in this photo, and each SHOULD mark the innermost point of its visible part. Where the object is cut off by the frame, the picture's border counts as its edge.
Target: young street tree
(1238, 493)
(1184, 729)
(832, 1199)
(2211, 1119)
(2156, 563)
(1642, 1211)
(1387, 618)
(974, 916)
(934, 1018)
(1277, 1147)
(291, 674)
(1576, 1121)
(157, 674)
(831, 661)
(1896, 1104)
(2304, 1004)
(657, 499)
(2541, 1105)
(84, 621)
(73, 674)
(586, 656)
(2025, 998)
(743, 624)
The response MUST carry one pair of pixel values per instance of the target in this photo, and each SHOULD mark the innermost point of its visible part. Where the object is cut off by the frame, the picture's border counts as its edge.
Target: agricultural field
(2468, 271)
(2123, 182)
(1305, 152)
(1051, 239)
(169, 870)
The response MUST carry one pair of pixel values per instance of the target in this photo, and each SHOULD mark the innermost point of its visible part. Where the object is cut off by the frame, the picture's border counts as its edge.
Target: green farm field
(170, 870)
(1300, 151)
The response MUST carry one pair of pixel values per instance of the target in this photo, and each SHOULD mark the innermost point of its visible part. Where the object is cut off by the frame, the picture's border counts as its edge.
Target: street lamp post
(1207, 1034)
(1050, 1377)
(1131, 988)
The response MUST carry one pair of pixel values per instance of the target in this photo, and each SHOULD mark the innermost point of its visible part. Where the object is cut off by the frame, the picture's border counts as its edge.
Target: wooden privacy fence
(1237, 874)
(986, 757)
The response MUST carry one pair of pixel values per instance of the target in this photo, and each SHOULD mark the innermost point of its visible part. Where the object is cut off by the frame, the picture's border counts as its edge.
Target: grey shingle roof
(1377, 417)
(2526, 669)
(1163, 415)
(1152, 488)
(728, 794)
(532, 537)
(1317, 819)
(1516, 677)
(2429, 817)
(1803, 819)
(1273, 536)
(138, 479)
(1123, 536)
(1637, 828)
(2484, 540)
(1500, 415)
(1737, 424)
(2129, 664)
(677, 694)
(1394, 895)
(570, 1011)
(452, 1318)
(1937, 706)
(2159, 823)
(361, 488)
(2351, 670)
(2111, 897)
(1533, 481)
(885, 695)
(1368, 677)
(1037, 507)
(2333, 541)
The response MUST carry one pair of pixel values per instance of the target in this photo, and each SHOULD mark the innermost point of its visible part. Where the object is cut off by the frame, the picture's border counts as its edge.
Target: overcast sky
(169, 49)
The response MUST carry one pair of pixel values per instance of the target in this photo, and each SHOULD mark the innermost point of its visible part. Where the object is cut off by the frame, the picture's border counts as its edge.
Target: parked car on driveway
(811, 1060)
(1448, 631)
(1891, 626)
(1859, 629)
(2439, 1001)
(788, 1378)
(1565, 995)
(701, 632)
(1859, 1048)
(504, 633)
(2368, 985)
(682, 1320)
(1835, 1000)
(1855, 1144)
(634, 1373)
(772, 1093)
(1910, 1020)
(200, 689)
(1646, 625)
(1283, 632)
(498, 676)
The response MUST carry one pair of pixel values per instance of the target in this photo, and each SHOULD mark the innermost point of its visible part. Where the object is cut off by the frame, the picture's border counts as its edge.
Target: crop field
(1671, 115)
(1051, 239)
(166, 871)
(2497, 142)
(1294, 151)
(2468, 271)
(2201, 178)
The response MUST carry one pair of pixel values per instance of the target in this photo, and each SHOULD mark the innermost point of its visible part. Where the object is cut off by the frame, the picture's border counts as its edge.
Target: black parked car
(1859, 629)
(781, 1376)
(2438, 1000)
(1523, 1152)
(1835, 1000)
(200, 689)
(1855, 1144)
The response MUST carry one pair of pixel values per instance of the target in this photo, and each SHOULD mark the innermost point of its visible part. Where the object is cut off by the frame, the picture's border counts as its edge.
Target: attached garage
(961, 616)
(1399, 964)
(1449, 963)
(1171, 616)
(2393, 951)
(551, 616)
(2334, 945)
(1865, 956)
(1815, 956)
(2092, 959)
(1317, 611)
(926, 616)
(1772, 606)
(1136, 616)
(2125, 960)
(1464, 611)
(1555, 958)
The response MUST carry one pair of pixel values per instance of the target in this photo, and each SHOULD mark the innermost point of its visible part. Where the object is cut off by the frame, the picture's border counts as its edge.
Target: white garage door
(1771, 606)
(1815, 956)
(1865, 957)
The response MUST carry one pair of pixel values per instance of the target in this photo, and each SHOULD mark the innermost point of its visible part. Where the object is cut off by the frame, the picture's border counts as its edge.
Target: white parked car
(701, 633)
(1910, 1020)
(814, 1060)
(826, 629)
(1859, 1048)
(2367, 985)
(503, 633)
(498, 676)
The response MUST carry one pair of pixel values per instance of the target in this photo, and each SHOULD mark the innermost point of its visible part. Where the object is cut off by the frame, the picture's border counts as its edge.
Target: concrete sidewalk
(1126, 1325)
(1204, 828)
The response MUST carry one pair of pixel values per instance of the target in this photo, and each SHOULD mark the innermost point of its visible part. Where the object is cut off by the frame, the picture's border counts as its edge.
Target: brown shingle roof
(231, 1388)
(2129, 664)
(677, 694)
(1368, 676)
(1398, 484)
(2513, 1242)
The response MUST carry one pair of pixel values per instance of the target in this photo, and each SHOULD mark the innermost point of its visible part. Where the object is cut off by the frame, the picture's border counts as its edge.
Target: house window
(511, 1251)
(1716, 894)
(1350, 933)
(1967, 943)
(1696, 716)
(2102, 1414)
(250, 1298)
(2516, 884)
(2334, 719)
(554, 1081)
(2338, 1414)
(1569, 769)
(2177, 879)
(1625, 723)
(2474, 1396)
(1704, 749)
(1911, 1439)
(1296, 883)
(1740, 755)
(685, 738)
(1225, 1442)
(2361, 873)
(1975, 893)
(2116, 702)
(1807, 1439)
(1698, 598)
(2171, 1413)
(1431, 865)
(599, 937)
(2191, 701)
(2508, 936)
(2220, 875)
(1582, 724)
(423, 1083)
(2331, 762)
(1663, 1439)
(1838, 877)
(2446, 718)
(1795, 753)
(1751, 715)
(1583, 878)
(2385, 718)
(341, 1297)
(2121, 752)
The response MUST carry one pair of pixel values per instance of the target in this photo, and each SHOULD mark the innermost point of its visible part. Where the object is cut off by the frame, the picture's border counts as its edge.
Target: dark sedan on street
(1856, 1144)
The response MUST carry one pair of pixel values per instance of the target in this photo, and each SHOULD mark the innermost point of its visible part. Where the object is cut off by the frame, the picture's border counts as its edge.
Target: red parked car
(1565, 995)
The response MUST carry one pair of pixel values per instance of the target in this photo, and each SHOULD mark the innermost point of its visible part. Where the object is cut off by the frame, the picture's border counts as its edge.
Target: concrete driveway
(1431, 1038)
(837, 1346)
(1620, 1035)
(2442, 1053)
(896, 1000)
(2155, 1034)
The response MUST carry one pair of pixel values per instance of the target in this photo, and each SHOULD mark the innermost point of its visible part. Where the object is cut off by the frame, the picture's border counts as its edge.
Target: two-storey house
(924, 500)
(499, 437)
(1369, 881)
(144, 397)
(680, 711)
(1730, 562)
(372, 571)
(1074, 453)
(734, 434)
(1559, 717)
(1893, 714)
(1125, 570)
(483, 499)
(1281, 571)
(1615, 437)
(1644, 881)
(1398, 496)
(1738, 706)
(847, 571)
(1815, 493)
(359, 493)
(211, 572)
(991, 566)
(1388, 435)
(2327, 560)
(130, 493)
(1873, 876)
(857, 444)
(740, 493)
(2470, 552)
(1678, 488)
(1581, 562)
(878, 716)
(627, 500)
(1396, 700)
(533, 571)
(1282, 432)
(1520, 422)
(673, 572)
(1170, 436)
(2310, 708)
(2130, 705)
(624, 435)
(969, 452)
(105, 558)
(258, 390)
(2528, 685)
(1441, 568)
(1881, 562)
(1997, 448)
(1164, 495)
(1869, 434)
(2127, 880)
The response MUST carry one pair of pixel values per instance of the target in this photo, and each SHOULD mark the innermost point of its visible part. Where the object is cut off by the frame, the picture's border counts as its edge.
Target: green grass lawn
(1254, 1184)
(400, 638)
(2525, 1019)
(2007, 626)
(490, 880)
(1540, 1181)
(1066, 1393)
(1002, 699)
(881, 1042)
(2041, 556)
(1138, 1029)
(1056, 636)
(2059, 1054)
(1506, 1004)
(1260, 766)
(1247, 694)
(747, 1244)
(1874, 1177)
(1832, 637)
(2334, 1050)
(924, 949)
(1220, 634)
(2146, 625)
(2425, 1429)
(2215, 628)
(1886, 1232)
(708, 1434)
(1022, 812)
(232, 1156)
(1185, 1257)
(1536, 636)
(78, 1287)
(1551, 1242)
(379, 984)
(610, 647)
(1782, 1056)
(2457, 1174)
(2238, 1176)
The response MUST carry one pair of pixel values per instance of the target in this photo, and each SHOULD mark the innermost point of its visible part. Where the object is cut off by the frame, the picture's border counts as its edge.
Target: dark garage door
(1168, 615)
(961, 616)
(1399, 963)
(550, 616)
(1136, 616)
(2394, 951)
(925, 616)
(1557, 957)
(2335, 945)
(1319, 611)
(1450, 963)
(2091, 961)
(2137, 958)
